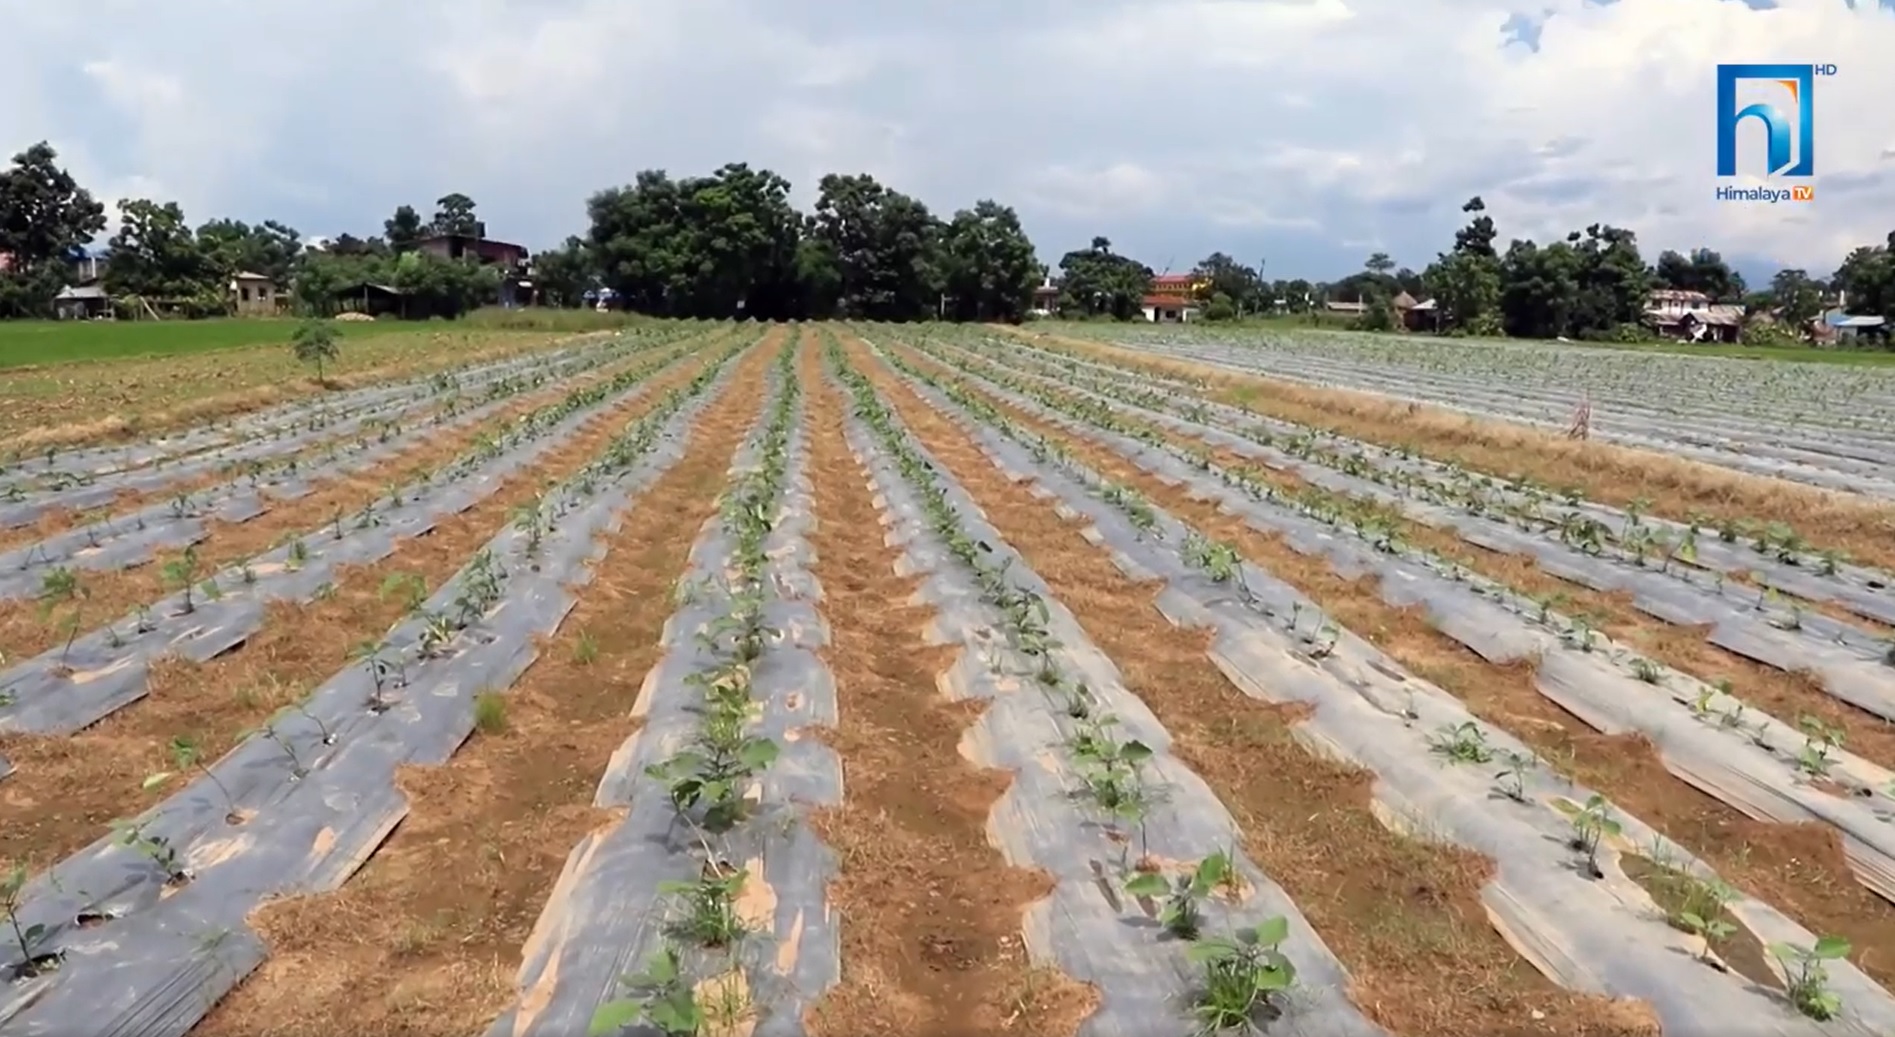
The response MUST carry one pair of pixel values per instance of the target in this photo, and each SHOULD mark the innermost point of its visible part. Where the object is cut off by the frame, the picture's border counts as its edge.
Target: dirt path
(931, 915)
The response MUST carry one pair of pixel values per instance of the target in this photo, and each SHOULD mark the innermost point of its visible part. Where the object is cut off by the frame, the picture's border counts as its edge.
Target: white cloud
(1300, 129)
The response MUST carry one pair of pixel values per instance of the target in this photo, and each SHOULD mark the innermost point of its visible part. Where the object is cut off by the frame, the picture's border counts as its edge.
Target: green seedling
(706, 910)
(156, 847)
(712, 776)
(660, 998)
(62, 587)
(585, 649)
(1461, 743)
(181, 572)
(490, 713)
(1808, 986)
(1513, 777)
(530, 520)
(35, 960)
(298, 555)
(1646, 671)
(1819, 740)
(187, 755)
(1113, 772)
(382, 671)
(269, 731)
(1242, 974)
(1593, 823)
(1181, 913)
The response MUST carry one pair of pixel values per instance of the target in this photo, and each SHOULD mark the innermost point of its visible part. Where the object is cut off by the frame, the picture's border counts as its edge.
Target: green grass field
(63, 341)
(26, 343)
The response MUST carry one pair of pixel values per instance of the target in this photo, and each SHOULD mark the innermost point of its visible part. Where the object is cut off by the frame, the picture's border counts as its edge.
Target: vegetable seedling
(1808, 986)
(1512, 779)
(29, 939)
(709, 915)
(187, 755)
(1461, 743)
(155, 847)
(1241, 975)
(1181, 914)
(1593, 823)
(660, 997)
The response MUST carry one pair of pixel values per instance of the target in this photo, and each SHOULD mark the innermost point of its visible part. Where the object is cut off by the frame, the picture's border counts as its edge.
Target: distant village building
(1045, 297)
(253, 295)
(1173, 298)
(82, 302)
(516, 285)
(1690, 316)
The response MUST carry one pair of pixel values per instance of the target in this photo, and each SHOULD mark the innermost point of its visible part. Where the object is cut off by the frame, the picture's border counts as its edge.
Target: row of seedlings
(145, 931)
(1158, 901)
(1679, 573)
(84, 478)
(702, 911)
(111, 542)
(207, 613)
(1773, 554)
(1561, 890)
(1741, 756)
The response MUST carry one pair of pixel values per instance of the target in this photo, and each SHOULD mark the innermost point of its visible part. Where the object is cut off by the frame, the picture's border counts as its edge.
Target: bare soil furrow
(1402, 915)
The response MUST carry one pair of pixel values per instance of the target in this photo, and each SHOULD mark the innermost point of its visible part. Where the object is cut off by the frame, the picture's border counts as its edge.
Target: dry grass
(82, 404)
(68, 789)
(399, 951)
(1800, 869)
(931, 940)
(1615, 475)
(1403, 916)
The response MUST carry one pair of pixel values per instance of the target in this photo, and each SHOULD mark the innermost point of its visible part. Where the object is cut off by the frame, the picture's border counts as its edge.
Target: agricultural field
(1824, 424)
(73, 384)
(734, 679)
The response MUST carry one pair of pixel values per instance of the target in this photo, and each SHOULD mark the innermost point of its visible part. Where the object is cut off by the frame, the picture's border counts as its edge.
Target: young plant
(187, 755)
(156, 847)
(1241, 975)
(29, 939)
(1461, 743)
(1512, 779)
(62, 587)
(1591, 824)
(1181, 914)
(181, 573)
(314, 343)
(1808, 987)
(706, 911)
(660, 998)
(1819, 740)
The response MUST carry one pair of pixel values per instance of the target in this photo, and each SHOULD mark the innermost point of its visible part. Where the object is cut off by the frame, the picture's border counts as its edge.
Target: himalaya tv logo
(1789, 130)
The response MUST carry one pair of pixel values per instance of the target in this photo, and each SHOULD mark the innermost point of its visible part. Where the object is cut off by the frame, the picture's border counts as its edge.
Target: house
(515, 287)
(1045, 297)
(372, 300)
(1847, 327)
(88, 268)
(1416, 316)
(1348, 309)
(1690, 316)
(82, 302)
(1168, 309)
(253, 295)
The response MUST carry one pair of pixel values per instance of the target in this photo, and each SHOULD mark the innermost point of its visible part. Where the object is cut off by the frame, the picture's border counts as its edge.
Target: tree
(988, 266)
(155, 255)
(883, 244)
(1702, 271)
(454, 214)
(314, 343)
(232, 247)
(1379, 263)
(403, 231)
(1466, 290)
(1477, 238)
(46, 219)
(1242, 287)
(1096, 281)
(565, 274)
(1798, 299)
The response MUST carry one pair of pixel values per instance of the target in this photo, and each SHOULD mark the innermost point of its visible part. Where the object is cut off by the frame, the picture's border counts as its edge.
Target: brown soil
(93, 403)
(1800, 869)
(930, 914)
(397, 950)
(68, 789)
(1787, 696)
(1676, 892)
(1609, 474)
(1403, 916)
(26, 631)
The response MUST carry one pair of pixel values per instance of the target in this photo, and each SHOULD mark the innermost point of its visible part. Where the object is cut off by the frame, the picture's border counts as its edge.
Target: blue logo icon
(1789, 125)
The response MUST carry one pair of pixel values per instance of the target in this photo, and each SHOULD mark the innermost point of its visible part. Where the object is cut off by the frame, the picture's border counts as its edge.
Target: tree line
(1592, 284)
(730, 244)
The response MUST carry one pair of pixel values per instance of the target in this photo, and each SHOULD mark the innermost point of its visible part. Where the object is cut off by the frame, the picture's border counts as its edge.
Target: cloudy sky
(1310, 132)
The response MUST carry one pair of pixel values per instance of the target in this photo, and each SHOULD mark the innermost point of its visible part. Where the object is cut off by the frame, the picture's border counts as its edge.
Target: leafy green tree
(233, 246)
(1242, 287)
(1095, 281)
(454, 214)
(46, 219)
(988, 265)
(884, 246)
(1797, 298)
(155, 255)
(1539, 287)
(314, 343)
(1702, 271)
(402, 231)
(564, 274)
